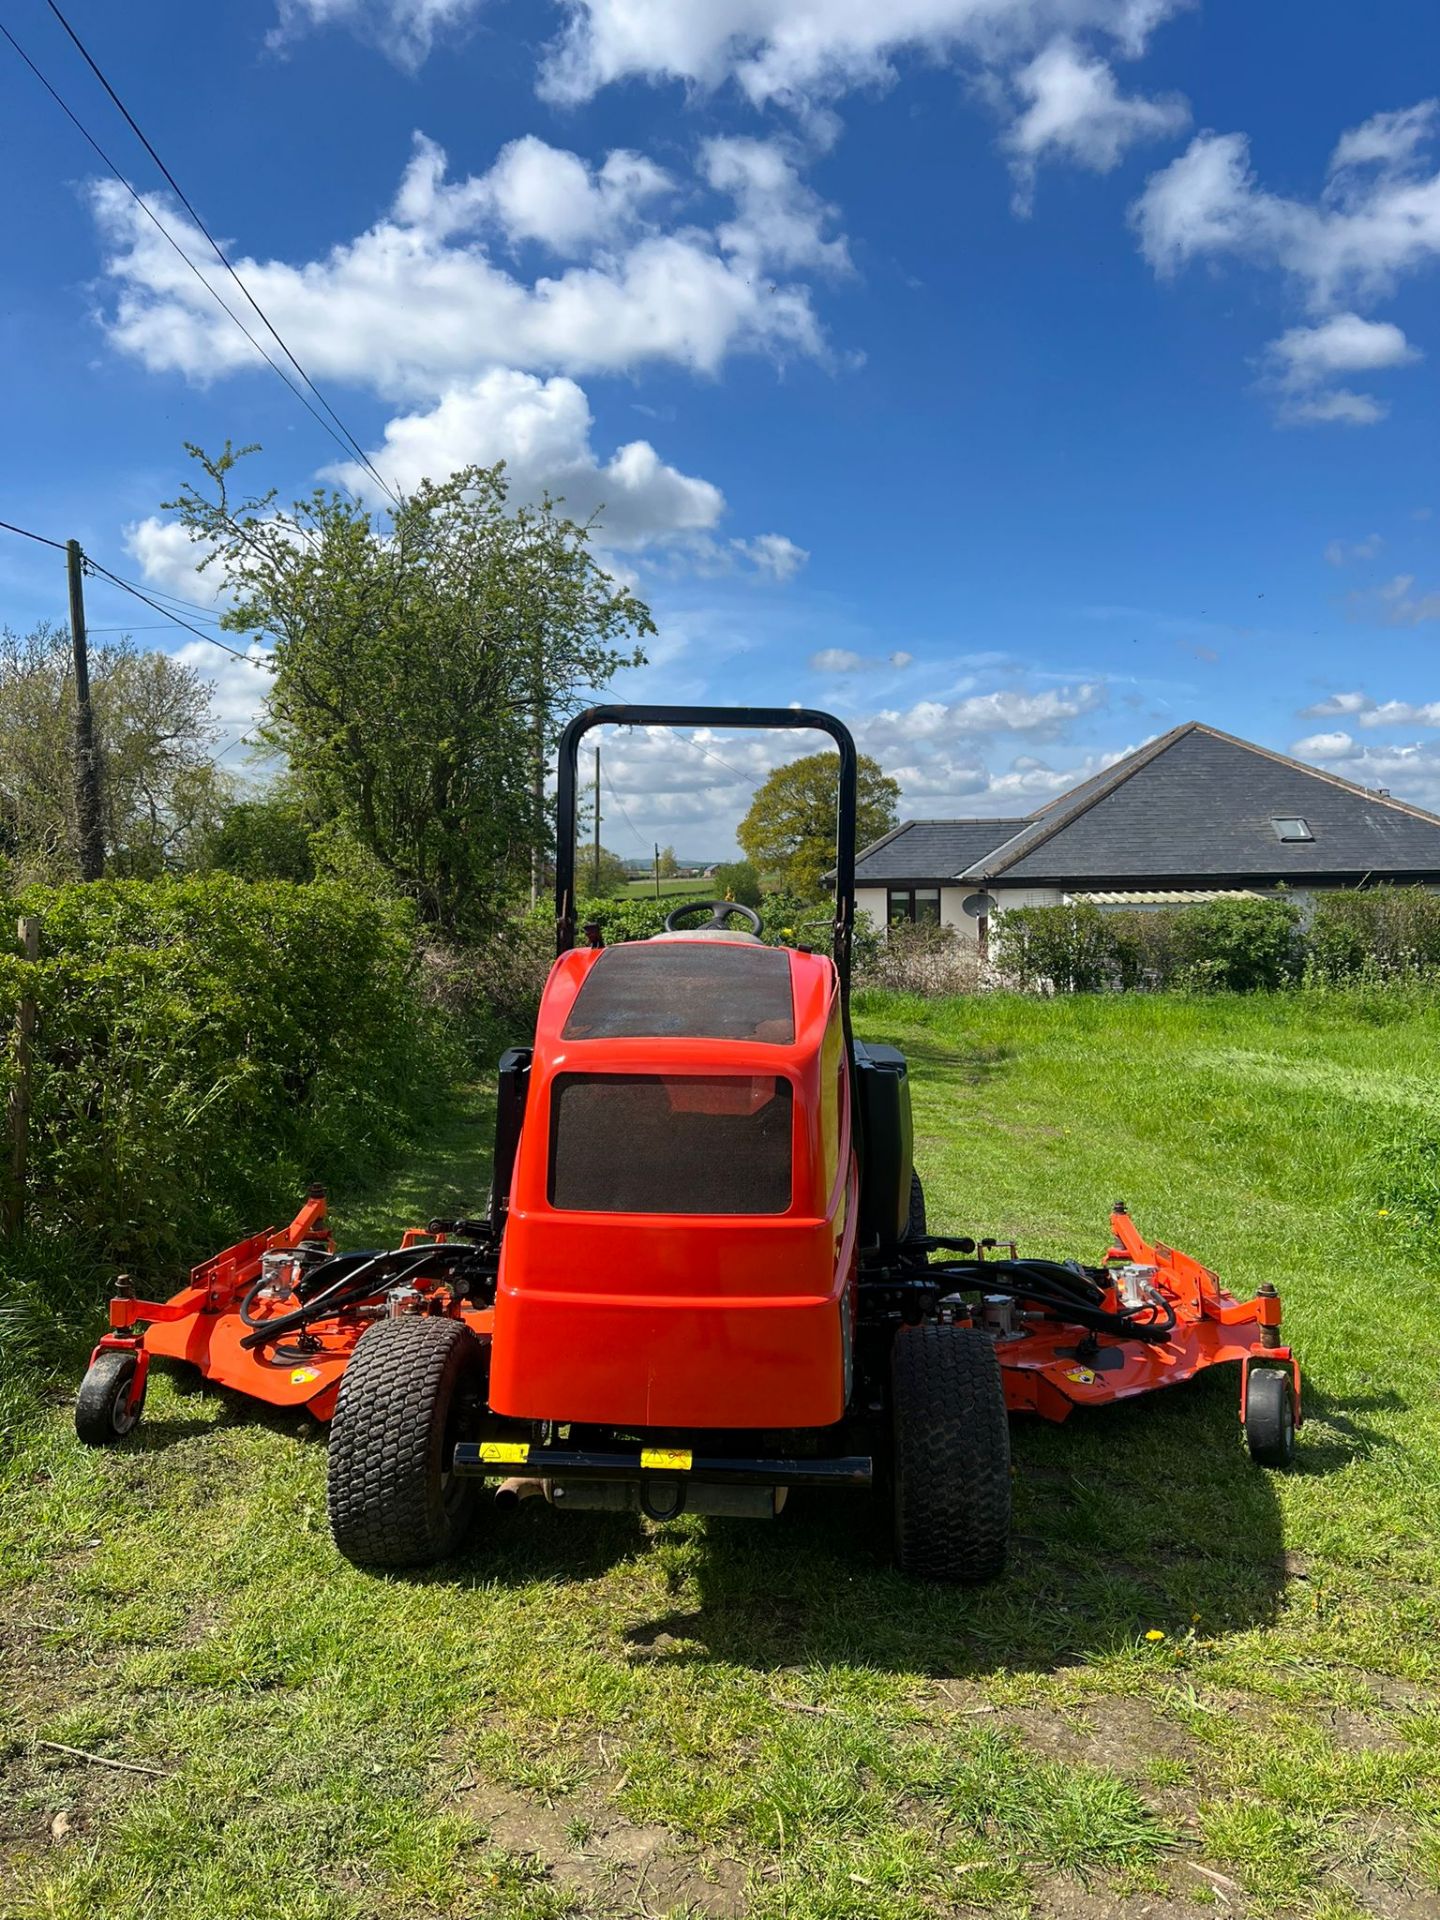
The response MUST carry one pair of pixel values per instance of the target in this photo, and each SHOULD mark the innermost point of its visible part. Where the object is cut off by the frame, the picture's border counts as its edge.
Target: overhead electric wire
(24, 532)
(610, 789)
(344, 440)
(706, 751)
(208, 638)
(219, 251)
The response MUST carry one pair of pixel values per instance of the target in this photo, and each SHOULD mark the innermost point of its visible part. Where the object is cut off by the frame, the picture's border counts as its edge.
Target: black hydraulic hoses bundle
(346, 1289)
(1056, 1287)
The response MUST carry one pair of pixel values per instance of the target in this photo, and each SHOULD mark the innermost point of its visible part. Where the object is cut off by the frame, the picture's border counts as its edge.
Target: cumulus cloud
(533, 192)
(406, 310)
(541, 430)
(417, 309)
(1376, 218)
(1410, 771)
(1075, 110)
(169, 559)
(893, 734)
(779, 219)
(1340, 553)
(798, 50)
(1375, 713)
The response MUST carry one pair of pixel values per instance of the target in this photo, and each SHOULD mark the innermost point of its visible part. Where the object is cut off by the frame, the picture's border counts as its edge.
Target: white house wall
(875, 902)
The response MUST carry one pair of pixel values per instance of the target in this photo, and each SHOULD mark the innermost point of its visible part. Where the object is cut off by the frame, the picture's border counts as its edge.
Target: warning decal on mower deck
(302, 1376)
(1082, 1376)
(672, 1459)
(505, 1453)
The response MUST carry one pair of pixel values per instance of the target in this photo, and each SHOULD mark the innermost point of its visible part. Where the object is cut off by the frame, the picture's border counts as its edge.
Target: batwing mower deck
(704, 1277)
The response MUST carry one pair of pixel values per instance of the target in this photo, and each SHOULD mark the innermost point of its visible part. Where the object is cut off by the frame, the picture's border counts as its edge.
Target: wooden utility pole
(19, 1115)
(597, 822)
(657, 869)
(87, 766)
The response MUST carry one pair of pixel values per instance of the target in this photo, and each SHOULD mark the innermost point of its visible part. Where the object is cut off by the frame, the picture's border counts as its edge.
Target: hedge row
(207, 1047)
(1382, 933)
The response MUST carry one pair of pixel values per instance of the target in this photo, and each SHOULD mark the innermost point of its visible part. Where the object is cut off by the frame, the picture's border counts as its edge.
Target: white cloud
(1337, 703)
(1376, 218)
(798, 50)
(1409, 772)
(404, 30)
(1076, 111)
(1343, 344)
(1340, 553)
(892, 734)
(1325, 746)
(541, 430)
(415, 302)
(772, 554)
(779, 219)
(533, 192)
(1334, 406)
(846, 660)
(168, 558)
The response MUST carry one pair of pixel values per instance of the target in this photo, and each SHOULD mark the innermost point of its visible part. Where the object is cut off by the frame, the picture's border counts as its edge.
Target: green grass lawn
(593, 1716)
(644, 888)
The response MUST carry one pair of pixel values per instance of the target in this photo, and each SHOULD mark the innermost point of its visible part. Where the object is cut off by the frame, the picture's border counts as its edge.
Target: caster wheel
(1270, 1418)
(107, 1407)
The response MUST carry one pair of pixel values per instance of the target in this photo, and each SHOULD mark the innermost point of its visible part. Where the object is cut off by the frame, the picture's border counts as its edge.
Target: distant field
(645, 889)
(1203, 1692)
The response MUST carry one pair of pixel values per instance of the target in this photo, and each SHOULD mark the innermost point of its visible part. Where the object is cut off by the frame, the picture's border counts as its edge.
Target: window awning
(1165, 897)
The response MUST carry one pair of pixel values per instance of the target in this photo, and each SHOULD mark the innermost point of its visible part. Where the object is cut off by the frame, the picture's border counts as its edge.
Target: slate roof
(931, 850)
(1195, 805)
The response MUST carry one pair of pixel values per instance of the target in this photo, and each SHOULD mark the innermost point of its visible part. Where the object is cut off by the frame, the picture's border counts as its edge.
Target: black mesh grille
(670, 1143)
(682, 989)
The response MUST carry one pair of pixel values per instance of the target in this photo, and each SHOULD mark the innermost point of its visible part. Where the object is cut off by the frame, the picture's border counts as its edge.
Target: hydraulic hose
(1037, 1280)
(345, 1290)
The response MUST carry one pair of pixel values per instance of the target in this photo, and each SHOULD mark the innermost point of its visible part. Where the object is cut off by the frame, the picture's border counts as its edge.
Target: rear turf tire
(411, 1390)
(951, 1455)
(1270, 1418)
(104, 1412)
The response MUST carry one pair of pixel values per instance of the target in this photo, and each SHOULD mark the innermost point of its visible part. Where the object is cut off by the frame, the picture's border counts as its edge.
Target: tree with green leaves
(424, 663)
(669, 866)
(790, 828)
(154, 728)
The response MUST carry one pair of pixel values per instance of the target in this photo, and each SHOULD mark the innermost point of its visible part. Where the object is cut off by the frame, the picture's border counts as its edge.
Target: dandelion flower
(1384, 1213)
(1154, 1634)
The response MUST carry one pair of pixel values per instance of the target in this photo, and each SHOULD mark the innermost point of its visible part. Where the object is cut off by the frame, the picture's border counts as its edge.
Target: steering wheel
(720, 911)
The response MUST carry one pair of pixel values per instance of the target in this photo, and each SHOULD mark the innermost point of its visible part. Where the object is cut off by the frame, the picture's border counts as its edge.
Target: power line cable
(610, 789)
(707, 753)
(208, 638)
(342, 442)
(24, 532)
(219, 251)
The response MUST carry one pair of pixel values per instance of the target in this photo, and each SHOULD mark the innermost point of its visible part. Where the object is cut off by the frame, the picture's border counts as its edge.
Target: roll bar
(744, 718)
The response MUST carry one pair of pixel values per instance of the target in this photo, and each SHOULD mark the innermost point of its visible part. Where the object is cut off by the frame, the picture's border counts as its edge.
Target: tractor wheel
(951, 1455)
(104, 1409)
(915, 1224)
(406, 1397)
(1270, 1418)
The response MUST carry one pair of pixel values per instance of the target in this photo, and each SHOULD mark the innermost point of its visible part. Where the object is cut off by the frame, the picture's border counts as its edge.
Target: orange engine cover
(679, 1250)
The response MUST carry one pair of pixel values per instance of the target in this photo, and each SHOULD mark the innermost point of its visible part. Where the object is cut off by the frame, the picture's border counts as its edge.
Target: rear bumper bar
(488, 1460)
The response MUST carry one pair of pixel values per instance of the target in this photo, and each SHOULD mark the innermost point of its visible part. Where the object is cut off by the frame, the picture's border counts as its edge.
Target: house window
(914, 906)
(1292, 829)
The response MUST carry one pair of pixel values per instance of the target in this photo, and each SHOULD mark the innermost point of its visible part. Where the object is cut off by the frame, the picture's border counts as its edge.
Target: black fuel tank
(887, 1142)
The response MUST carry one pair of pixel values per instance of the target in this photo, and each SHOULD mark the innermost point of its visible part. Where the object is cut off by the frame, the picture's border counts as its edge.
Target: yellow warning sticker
(302, 1376)
(667, 1459)
(505, 1453)
(1082, 1376)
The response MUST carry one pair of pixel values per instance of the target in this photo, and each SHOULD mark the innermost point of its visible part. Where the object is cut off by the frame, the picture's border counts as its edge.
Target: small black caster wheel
(1270, 1418)
(106, 1408)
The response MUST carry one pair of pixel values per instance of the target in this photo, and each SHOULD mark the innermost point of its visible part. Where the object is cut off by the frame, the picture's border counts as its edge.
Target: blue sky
(1017, 378)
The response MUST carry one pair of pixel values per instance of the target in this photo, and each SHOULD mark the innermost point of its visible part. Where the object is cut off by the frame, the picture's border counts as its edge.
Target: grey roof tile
(930, 850)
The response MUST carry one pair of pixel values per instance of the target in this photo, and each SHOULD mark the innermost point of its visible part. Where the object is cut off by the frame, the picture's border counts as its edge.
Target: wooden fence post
(19, 1129)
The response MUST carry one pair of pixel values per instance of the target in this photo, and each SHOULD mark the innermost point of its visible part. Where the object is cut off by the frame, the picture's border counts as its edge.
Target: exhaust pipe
(511, 1492)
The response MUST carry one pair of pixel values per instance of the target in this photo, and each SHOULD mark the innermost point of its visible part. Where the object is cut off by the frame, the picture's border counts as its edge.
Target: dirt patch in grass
(612, 1867)
(1124, 1735)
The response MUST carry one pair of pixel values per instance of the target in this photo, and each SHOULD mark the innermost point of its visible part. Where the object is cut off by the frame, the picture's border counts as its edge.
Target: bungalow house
(1195, 815)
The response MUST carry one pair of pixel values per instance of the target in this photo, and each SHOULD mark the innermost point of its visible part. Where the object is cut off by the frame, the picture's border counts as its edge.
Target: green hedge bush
(207, 1047)
(1236, 946)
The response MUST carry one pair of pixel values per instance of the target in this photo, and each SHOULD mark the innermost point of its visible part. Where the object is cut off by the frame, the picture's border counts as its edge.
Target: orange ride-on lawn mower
(704, 1277)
